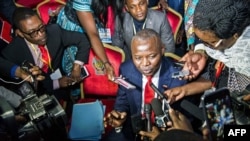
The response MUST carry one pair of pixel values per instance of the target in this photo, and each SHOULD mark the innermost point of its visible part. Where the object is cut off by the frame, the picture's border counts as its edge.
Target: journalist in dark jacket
(31, 33)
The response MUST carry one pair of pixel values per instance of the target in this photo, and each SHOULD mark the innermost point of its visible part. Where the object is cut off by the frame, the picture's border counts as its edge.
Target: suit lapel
(164, 75)
(149, 21)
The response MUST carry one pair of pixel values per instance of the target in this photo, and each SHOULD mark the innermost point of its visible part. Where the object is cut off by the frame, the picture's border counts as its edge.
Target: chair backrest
(5, 32)
(27, 3)
(97, 83)
(174, 19)
(46, 6)
(172, 56)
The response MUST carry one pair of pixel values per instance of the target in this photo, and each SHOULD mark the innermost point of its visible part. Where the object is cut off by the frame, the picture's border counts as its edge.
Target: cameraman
(43, 45)
(13, 99)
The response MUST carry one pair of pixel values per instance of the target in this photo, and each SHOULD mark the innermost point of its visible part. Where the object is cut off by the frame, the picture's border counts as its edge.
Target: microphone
(192, 109)
(148, 113)
(160, 117)
(164, 98)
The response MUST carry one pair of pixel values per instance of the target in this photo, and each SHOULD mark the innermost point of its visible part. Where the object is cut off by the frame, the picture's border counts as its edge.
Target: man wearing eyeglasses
(43, 46)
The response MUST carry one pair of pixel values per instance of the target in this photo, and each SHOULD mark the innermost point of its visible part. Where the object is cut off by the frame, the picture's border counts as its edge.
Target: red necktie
(45, 58)
(149, 92)
(149, 95)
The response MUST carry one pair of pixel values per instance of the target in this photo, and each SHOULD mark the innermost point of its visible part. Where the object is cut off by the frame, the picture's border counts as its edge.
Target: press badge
(56, 75)
(105, 35)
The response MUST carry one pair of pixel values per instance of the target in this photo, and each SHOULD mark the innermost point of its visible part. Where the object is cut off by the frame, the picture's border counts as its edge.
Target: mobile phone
(180, 74)
(124, 83)
(84, 72)
(218, 111)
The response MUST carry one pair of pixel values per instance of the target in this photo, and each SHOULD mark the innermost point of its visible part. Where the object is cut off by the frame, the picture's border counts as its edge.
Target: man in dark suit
(43, 46)
(147, 60)
(138, 17)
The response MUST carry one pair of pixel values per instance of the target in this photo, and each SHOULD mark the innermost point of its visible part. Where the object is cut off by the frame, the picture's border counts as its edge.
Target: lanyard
(143, 26)
(218, 72)
(39, 56)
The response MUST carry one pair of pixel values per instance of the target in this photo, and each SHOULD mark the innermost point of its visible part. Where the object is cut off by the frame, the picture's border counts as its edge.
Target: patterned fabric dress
(188, 20)
(68, 24)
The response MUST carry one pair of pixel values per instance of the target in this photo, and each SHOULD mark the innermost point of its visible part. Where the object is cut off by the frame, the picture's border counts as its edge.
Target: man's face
(146, 55)
(137, 9)
(33, 30)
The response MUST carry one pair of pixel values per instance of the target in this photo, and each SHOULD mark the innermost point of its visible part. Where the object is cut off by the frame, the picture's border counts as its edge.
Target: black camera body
(44, 113)
(45, 118)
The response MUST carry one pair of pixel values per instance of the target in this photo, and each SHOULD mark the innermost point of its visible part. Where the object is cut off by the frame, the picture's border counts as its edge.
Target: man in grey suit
(138, 17)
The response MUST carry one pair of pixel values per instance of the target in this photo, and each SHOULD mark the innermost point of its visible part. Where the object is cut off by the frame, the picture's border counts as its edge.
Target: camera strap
(219, 69)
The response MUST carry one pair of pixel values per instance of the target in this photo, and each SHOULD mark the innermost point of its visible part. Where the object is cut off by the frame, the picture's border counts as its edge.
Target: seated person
(138, 17)
(148, 61)
(43, 46)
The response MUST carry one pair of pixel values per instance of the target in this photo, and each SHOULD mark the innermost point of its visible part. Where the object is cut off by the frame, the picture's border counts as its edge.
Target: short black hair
(178, 135)
(22, 13)
(224, 18)
(147, 33)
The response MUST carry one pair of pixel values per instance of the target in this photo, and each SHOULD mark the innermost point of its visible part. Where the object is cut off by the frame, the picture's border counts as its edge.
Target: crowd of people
(214, 36)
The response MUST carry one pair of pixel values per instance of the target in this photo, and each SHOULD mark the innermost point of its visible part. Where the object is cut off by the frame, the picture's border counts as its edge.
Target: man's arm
(192, 88)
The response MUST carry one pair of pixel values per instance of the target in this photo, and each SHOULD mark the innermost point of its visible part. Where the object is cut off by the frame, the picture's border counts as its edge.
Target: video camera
(45, 118)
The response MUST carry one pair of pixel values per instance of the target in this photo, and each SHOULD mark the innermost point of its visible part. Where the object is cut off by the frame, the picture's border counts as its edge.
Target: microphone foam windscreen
(192, 109)
(157, 107)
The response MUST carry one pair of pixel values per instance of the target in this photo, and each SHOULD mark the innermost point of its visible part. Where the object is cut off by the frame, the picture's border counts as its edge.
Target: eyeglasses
(209, 45)
(34, 33)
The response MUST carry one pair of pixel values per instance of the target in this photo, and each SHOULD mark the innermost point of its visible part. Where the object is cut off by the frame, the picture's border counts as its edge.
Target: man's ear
(19, 33)
(126, 7)
(162, 48)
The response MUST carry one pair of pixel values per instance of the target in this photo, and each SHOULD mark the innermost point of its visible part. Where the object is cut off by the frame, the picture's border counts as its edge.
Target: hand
(115, 119)
(35, 71)
(195, 63)
(151, 135)
(179, 121)
(66, 81)
(179, 36)
(110, 71)
(76, 73)
(205, 133)
(162, 4)
(246, 97)
(174, 94)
